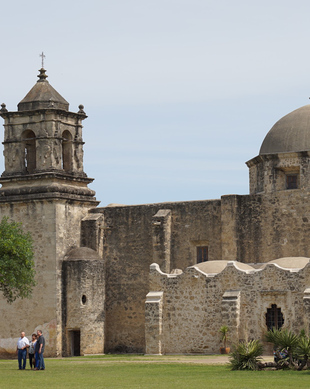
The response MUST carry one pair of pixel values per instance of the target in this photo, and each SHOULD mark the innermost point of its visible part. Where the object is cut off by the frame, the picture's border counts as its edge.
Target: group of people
(35, 350)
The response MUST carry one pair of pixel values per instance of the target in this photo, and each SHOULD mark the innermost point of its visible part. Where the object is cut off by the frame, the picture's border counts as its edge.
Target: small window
(274, 317)
(291, 181)
(202, 254)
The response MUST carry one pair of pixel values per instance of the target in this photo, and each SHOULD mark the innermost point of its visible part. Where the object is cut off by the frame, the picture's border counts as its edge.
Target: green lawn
(144, 372)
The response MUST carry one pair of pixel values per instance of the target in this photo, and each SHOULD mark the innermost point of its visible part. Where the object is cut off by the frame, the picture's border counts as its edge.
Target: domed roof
(289, 134)
(215, 267)
(291, 262)
(83, 253)
(43, 96)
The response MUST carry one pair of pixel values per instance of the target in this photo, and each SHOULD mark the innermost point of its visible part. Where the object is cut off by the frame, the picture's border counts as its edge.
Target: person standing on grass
(22, 345)
(39, 349)
(31, 351)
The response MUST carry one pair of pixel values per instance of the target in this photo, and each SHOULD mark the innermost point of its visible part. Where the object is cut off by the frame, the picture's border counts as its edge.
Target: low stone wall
(195, 305)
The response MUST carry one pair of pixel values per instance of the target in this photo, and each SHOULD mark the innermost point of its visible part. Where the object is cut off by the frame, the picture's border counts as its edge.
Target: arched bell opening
(67, 151)
(29, 151)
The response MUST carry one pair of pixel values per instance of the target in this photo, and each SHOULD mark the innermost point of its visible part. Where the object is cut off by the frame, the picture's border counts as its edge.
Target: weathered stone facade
(96, 292)
(44, 187)
(83, 305)
(195, 304)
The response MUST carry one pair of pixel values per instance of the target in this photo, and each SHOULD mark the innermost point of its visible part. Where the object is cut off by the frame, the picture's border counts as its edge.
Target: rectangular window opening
(291, 181)
(202, 254)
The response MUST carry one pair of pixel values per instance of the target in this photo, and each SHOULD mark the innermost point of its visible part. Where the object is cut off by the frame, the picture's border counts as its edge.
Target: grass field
(144, 372)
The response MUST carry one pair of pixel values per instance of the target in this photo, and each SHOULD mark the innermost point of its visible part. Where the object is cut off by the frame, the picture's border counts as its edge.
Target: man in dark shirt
(39, 350)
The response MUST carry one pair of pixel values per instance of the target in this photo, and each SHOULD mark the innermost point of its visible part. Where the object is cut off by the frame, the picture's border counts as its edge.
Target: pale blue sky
(179, 93)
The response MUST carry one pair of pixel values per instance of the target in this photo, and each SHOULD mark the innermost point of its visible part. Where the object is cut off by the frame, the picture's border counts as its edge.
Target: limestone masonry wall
(272, 226)
(128, 252)
(83, 304)
(38, 217)
(55, 228)
(250, 229)
(196, 305)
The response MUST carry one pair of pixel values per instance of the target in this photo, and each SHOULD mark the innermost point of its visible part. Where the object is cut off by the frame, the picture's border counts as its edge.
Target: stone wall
(83, 301)
(55, 228)
(250, 229)
(196, 305)
(68, 232)
(266, 227)
(267, 173)
(132, 236)
(39, 311)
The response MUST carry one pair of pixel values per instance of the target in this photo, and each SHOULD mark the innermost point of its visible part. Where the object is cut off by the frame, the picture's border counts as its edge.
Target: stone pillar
(91, 232)
(161, 234)
(229, 209)
(153, 323)
(231, 313)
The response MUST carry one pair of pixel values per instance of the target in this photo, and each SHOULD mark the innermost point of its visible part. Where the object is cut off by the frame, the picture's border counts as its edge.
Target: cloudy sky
(179, 93)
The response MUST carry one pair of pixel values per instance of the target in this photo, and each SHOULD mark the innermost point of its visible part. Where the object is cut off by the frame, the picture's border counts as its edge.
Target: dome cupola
(289, 134)
(283, 162)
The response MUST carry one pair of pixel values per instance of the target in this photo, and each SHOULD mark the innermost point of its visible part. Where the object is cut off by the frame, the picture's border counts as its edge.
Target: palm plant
(246, 355)
(224, 335)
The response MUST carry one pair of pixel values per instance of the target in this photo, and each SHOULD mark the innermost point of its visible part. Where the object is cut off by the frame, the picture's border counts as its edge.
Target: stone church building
(154, 278)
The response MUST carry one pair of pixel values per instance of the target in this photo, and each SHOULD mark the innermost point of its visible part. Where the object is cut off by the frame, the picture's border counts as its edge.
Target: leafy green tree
(16, 261)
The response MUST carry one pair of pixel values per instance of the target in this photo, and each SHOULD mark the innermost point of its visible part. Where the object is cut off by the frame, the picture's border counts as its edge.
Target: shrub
(296, 346)
(246, 355)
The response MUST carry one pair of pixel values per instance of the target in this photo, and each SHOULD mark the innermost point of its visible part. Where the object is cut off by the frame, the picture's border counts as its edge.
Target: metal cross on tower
(42, 56)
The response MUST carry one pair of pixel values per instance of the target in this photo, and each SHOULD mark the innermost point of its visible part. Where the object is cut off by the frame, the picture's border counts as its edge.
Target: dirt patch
(206, 360)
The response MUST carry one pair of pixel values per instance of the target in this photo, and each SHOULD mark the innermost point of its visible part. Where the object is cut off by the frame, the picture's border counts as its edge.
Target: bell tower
(44, 187)
(43, 146)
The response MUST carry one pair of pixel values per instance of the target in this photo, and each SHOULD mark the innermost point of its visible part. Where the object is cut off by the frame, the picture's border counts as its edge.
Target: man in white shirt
(22, 345)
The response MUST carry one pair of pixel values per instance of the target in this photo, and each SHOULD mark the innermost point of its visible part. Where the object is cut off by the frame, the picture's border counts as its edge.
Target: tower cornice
(33, 112)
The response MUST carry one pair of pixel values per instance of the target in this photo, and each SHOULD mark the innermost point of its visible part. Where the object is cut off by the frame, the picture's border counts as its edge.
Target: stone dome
(290, 262)
(43, 96)
(82, 253)
(215, 267)
(289, 134)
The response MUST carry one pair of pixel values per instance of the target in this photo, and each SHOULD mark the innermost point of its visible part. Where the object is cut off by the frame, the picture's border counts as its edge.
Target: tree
(16, 261)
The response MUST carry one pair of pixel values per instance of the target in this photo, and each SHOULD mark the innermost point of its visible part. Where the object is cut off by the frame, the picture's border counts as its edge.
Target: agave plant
(246, 355)
(284, 339)
(274, 336)
(303, 350)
